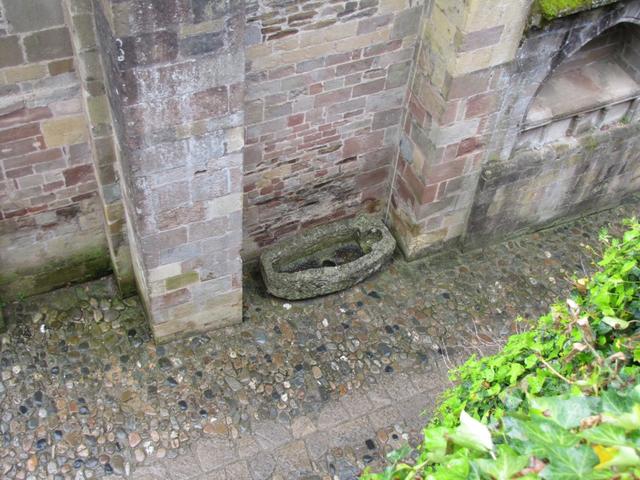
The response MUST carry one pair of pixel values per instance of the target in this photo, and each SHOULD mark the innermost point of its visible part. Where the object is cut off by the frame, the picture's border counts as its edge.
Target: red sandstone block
(33, 158)
(77, 175)
(469, 84)
(453, 186)
(450, 113)
(212, 102)
(373, 177)
(402, 192)
(14, 213)
(275, 99)
(354, 113)
(369, 88)
(481, 38)
(181, 216)
(312, 137)
(421, 192)
(19, 133)
(315, 88)
(417, 111)
(434, 174)
(378, 73)
(480, 105)
(20, 172)
(281, 72)
(378, 158)
(50, 187)
(29, 181)
(469, 145)
(330, 98)
(338, 58)
(84, 196)
(21, 147)
(354, 67)
(164, 240)
(41, 200)
(381, 48)
(362, 144)
(24, 115)
(79, 153)
(172, 195)
(170, 299)
(352, 79)
(57, 164)
(371, 24)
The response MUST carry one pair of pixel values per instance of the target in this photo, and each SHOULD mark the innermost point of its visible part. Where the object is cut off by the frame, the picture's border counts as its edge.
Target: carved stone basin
(327, 258)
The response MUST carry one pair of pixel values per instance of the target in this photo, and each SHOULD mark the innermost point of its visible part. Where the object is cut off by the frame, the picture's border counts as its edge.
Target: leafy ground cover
(560, 401)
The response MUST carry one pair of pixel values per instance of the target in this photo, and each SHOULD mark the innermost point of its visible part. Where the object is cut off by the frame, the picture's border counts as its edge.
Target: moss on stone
(551, 9)
(182, 280)
(88, 264)
(557, 8)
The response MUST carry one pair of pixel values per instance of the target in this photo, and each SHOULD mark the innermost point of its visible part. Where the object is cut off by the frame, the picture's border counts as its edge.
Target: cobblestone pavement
(315, 389)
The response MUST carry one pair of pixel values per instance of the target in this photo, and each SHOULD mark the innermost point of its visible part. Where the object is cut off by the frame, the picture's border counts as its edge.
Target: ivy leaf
(570, 464)
(628, 421)
(616, 457)
(535, 383)
(544, 435)
(531, 361)
(614, 403)
(472, 434)
(505, 466)
(615, 323)
(608, 435)
(566, 412)
(435, 444)
(456, 467)
(514, 372)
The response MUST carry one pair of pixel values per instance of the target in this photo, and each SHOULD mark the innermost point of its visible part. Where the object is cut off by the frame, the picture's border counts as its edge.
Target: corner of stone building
(80, 20)
(179, 149)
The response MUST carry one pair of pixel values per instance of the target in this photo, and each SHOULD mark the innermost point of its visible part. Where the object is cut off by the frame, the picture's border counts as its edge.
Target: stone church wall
(51, 221)
(180, 137)
(175, 82)
(325, 93)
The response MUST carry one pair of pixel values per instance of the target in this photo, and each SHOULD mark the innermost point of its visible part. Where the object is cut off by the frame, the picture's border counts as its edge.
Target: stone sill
(600, 84)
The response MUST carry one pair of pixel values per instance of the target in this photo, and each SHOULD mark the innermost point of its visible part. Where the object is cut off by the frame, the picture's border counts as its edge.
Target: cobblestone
(86, 393)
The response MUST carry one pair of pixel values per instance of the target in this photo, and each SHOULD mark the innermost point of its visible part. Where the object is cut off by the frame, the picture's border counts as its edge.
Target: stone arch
(602, 66)
(540, 52)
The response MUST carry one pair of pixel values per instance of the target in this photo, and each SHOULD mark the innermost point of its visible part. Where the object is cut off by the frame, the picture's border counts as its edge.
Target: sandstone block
(64, 131)
(11, 51)
(182, 280)
(48, 44)
(25, 73)
(30, 15)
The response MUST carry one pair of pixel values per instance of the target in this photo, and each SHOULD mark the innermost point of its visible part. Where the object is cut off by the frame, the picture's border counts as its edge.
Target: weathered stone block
(64, 131)
(48, 44)
(25, 73)
(31, 15)
(182, 280)
(11, 51)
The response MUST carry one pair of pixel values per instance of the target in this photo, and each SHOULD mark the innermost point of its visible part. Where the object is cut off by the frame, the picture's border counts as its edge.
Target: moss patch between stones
(85, 265)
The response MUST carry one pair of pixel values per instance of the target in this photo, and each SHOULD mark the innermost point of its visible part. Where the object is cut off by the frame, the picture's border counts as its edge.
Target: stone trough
(327, 258)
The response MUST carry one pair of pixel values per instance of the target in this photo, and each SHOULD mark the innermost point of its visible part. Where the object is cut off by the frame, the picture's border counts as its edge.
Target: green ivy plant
(559, 401)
